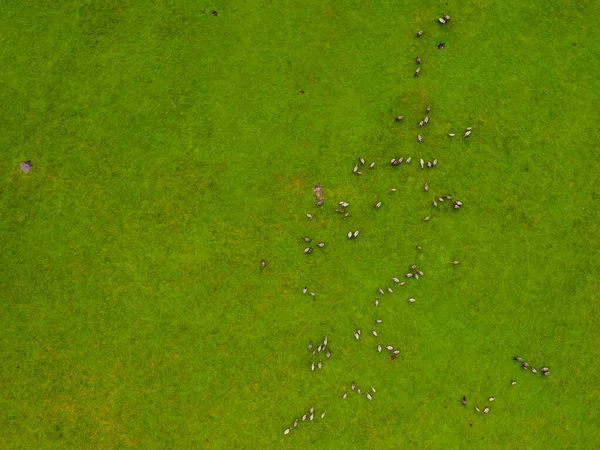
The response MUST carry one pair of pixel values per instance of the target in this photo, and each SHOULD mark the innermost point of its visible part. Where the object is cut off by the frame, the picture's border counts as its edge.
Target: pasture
(172, 151)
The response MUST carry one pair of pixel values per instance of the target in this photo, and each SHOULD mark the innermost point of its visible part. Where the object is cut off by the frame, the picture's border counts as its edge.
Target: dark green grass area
(172, 152)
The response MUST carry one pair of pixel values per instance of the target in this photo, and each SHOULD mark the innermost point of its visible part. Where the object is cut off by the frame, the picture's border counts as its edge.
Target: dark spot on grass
(301, 92)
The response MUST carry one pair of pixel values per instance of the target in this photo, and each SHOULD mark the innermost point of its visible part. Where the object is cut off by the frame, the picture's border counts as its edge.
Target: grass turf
(172, 152)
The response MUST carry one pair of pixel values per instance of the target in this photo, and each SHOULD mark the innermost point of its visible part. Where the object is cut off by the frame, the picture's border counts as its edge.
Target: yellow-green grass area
(172, 151)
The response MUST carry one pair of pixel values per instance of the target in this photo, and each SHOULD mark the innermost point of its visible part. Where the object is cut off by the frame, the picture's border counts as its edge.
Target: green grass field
(172, 151)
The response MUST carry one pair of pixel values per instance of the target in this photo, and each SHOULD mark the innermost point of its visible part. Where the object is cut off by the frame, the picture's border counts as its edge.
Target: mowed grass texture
(172, 151)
